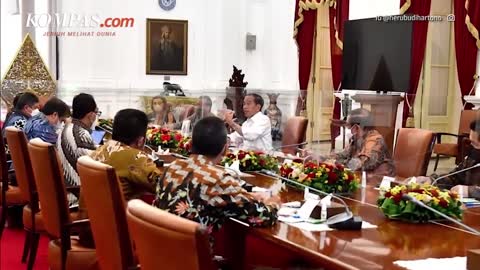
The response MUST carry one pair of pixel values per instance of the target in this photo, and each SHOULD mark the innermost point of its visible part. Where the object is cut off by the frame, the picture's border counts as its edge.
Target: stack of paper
(456, 263)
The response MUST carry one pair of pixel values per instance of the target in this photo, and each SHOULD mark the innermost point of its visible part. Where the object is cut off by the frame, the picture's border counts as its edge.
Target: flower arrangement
(251, 161)
(331, 178)
(163, 137)
(395, 206)
(185, 146)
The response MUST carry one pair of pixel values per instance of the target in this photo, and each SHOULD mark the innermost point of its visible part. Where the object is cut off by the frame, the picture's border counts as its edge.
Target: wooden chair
(294, 133)
(9, 195)
(453, 149)
(64, 252)
(413, 151)
(32, 219)
(106, 211)
(159, 236)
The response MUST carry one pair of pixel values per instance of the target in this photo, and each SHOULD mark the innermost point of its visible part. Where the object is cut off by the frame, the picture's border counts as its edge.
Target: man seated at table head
(25, 106)
(47, 124)
(197, 189)
(256, 132)
(366, 150)
(468, 182)
(76, 139)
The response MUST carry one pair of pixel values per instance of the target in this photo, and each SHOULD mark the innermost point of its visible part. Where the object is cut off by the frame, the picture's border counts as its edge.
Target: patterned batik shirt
(369, 153)
(198, 190)
(75, 141)
(39, 127)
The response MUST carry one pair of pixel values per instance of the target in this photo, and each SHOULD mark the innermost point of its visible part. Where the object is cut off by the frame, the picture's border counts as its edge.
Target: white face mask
(35, 112)
(157, 108)
(94, 124)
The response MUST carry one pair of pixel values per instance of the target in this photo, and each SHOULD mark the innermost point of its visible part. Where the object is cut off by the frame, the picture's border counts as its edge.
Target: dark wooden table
(284, 246)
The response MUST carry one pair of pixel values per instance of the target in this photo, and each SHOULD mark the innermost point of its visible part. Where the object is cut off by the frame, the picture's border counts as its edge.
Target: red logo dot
(101, 25)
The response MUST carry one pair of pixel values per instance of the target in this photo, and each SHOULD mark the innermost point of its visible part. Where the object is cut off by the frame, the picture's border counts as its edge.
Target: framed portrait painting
(167, 47)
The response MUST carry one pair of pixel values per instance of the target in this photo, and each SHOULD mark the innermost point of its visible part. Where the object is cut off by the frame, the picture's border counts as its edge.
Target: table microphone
(456, 172)
(421, 204)
(342, 221)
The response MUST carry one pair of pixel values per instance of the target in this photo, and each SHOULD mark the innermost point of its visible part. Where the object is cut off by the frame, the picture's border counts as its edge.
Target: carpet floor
(11, 247)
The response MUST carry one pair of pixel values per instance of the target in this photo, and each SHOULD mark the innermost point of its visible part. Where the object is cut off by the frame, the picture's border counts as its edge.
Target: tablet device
(97, 136)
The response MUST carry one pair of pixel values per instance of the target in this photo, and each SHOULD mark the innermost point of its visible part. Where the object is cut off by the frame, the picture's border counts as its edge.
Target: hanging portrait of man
(167, 46)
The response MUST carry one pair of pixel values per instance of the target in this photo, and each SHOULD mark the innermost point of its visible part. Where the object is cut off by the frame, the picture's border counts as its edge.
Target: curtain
(419, 42)
(466, 44)
(338, 16)
(305, 21)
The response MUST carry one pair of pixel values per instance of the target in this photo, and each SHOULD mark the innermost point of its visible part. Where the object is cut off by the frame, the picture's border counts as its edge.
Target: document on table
(455, 263)
(311, 227)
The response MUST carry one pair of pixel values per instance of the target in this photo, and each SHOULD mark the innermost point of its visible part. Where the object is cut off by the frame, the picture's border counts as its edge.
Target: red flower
(310, 165)
(443, 203)
(248, 163)
(262, 162)
(340, 167)
(178, 137)
(165, 137)
(241, 155)
(397, 197)
(434, 192)
(311, 175)
(332, 177)
(388, 194)
(165, 130)
(231, 156)
(298, 160)
(258, 153)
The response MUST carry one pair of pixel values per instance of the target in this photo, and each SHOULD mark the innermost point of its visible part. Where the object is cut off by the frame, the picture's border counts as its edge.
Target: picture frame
(167, 47)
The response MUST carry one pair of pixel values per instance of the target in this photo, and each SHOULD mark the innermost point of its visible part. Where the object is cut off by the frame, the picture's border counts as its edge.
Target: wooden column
(384, 112)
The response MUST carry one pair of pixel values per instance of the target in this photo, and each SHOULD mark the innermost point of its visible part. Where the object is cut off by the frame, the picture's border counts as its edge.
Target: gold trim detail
(405, 7)
(309, 5)
(471, 28)
(27, 72)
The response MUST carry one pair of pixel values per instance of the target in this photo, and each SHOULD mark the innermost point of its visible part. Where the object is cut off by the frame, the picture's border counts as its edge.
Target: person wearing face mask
(76, 140)
(468, 182)
(25, 106)
(366, 150)
(137, 173)
(47, 124)
(161, 114)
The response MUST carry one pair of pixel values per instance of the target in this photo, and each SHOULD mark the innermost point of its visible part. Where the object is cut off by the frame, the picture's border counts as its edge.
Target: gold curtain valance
(405, 6)
(305, 5)
(471, 28)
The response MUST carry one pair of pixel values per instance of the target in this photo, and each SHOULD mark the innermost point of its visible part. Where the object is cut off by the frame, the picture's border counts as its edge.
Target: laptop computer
(97, 136)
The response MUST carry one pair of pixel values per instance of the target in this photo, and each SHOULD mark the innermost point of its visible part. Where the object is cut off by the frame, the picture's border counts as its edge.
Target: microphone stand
(421, 204)
(456, 172)
(342, 221)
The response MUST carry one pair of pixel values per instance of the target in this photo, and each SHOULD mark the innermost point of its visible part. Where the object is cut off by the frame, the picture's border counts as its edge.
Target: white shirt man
(256, 131)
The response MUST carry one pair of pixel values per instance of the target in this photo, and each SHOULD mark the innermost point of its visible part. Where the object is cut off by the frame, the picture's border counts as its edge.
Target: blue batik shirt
(39, 127)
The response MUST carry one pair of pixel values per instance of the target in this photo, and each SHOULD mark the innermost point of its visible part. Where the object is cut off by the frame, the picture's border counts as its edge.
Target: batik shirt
(39, 127)
(368, 153)
(17, 120)
(137, 172)
(198, 190)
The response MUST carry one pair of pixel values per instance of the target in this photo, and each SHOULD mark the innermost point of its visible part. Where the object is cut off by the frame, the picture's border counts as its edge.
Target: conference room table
(284, 245)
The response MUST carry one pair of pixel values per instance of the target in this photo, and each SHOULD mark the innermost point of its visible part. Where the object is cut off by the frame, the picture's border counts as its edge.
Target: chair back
(17, 144)
(413, 151)
(466, 117)
(159, 236)
(106, 211)
(294, 133)
(3, 174)
(50, 186)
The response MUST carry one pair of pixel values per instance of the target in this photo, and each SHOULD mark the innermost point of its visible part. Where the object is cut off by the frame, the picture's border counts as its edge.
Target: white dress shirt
(257, 134)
